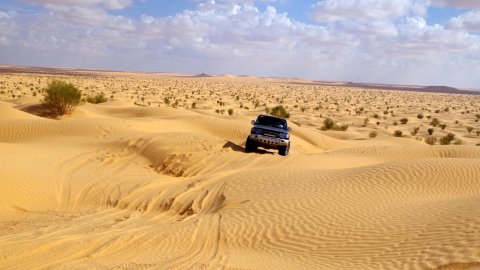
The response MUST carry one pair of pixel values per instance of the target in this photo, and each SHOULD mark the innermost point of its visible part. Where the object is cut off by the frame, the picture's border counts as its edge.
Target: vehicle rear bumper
(268, 141)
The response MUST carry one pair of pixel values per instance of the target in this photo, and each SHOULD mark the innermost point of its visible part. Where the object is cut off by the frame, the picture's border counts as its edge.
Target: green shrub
(340, 128)
(420, 116)
(458, 142)
(397, 133)
(61, 97)
(372, 134)
(98, 98)
(403, 121)
(446, 140)
(328, 123)
(279, 111)
(430, 131)
(230, 111)
(430, 140)
(469, 129)
(415, 131)
(435, 122)
(478, 132)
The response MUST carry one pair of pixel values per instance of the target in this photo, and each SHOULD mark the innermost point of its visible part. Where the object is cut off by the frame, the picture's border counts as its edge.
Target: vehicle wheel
(283, 150)
(250, 145)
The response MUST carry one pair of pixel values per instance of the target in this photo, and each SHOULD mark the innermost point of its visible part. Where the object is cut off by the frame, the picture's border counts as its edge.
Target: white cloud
(343, 10)
(457, 3)
(383, 42)
(109, 4)
(469, 21)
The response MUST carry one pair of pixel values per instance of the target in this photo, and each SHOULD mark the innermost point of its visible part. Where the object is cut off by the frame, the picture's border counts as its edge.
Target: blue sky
(421, 42)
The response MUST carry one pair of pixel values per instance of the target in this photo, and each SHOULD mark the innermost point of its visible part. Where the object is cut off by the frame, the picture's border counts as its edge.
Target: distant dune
(157, 176)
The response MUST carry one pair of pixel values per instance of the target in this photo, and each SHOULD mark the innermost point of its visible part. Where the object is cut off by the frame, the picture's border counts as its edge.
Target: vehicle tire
(250, 145)
(283, 150)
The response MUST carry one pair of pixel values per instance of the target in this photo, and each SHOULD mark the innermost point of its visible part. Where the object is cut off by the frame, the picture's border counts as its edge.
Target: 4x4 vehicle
(269, 132)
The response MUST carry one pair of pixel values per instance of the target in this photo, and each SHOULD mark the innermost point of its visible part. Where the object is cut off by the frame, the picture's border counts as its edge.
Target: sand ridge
(127, 185)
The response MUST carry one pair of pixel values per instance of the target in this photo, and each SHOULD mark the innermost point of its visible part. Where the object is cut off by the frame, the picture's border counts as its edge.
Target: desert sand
(136, 183)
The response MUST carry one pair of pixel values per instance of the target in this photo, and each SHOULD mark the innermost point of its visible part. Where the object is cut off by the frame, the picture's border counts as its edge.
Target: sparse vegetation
(430, 140)
(280, 111)
(430, 131)
(447, 139)
(62, 97)
(99, 98)
(403, 121)
(372, 134)
(397, 133)
(415, 131)
(230, 111)
(329, 123)
(469, 129)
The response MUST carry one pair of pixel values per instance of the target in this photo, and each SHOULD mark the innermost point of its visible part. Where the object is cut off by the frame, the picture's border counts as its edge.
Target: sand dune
(119, 186)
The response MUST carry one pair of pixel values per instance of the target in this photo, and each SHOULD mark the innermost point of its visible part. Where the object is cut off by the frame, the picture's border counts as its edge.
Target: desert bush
(61, 97)
(430, 131)
(230, 111)
(194, 105)
(403, 121)
(469, 129)
(458, 142)
(442, 126)
(397, 133)
(99, 98)
(365, 122)
(435, 122)
(280, 112)
(415, 131)
(478, 132)
(343, 127)
(328, 123)
(372, 134)
(447, 139)
(430, 140)
(420, 116)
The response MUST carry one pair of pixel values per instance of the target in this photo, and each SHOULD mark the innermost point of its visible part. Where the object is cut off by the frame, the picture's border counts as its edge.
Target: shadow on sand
(40, 110)
(237, 148)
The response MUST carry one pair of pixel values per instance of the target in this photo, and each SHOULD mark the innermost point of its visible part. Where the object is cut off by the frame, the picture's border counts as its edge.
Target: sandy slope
(116, 186)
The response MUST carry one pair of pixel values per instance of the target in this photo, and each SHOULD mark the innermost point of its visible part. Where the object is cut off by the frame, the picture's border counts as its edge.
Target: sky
(407, 42)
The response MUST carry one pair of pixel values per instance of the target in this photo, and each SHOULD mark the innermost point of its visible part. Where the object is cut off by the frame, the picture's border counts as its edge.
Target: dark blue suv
(269, 132)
